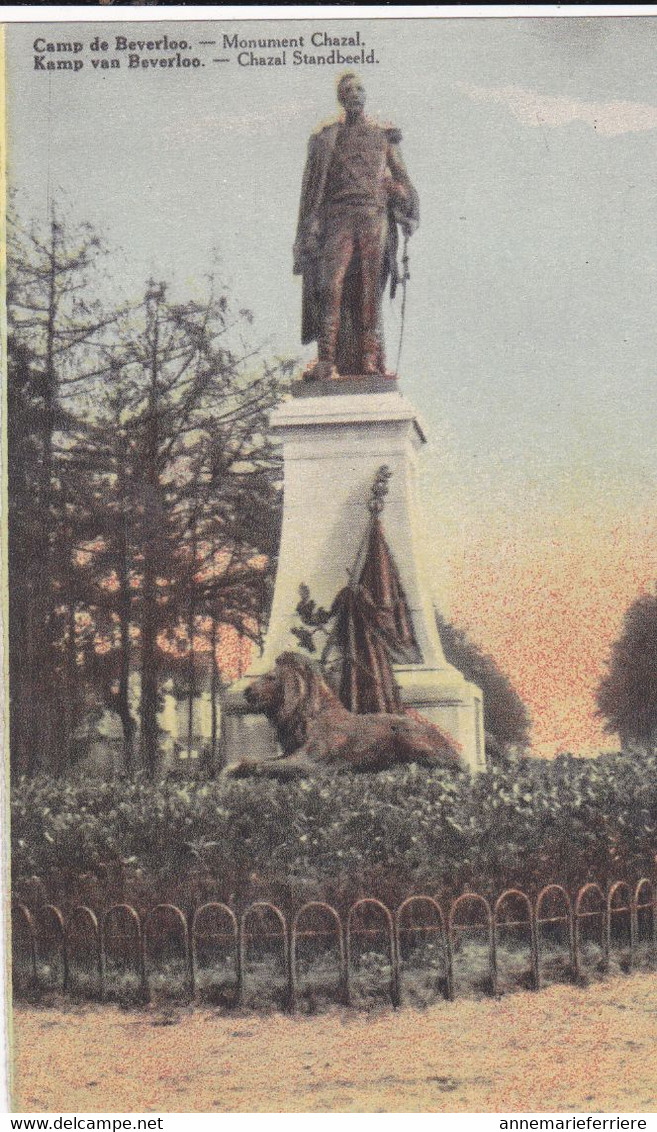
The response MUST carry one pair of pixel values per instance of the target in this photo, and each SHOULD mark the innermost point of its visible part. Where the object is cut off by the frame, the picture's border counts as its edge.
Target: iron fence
(51, 949)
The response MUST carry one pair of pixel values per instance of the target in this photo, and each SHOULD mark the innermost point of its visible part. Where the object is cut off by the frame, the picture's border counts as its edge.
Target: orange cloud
(548, 611)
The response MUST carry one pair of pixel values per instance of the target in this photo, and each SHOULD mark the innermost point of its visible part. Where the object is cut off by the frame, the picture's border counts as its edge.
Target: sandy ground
(565, 1049)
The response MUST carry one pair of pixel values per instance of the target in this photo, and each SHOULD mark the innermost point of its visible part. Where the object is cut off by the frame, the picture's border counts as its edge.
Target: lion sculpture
(315, 730)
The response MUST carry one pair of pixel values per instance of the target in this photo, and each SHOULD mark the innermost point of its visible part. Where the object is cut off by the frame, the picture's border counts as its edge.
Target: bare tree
(199, 518)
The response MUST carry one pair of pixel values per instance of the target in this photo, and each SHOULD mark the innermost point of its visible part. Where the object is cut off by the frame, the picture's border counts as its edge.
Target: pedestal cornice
(346, 409)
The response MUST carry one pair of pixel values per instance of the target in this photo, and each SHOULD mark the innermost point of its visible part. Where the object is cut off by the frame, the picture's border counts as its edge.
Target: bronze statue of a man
(355, 192)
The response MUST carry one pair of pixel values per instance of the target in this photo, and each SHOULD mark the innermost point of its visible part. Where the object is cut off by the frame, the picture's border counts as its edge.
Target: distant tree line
(144, 496)
(626, 696)
(627, 693)
(507, 723)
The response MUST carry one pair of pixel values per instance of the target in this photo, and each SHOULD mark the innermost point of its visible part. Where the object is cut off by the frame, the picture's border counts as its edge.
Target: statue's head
(351, 93)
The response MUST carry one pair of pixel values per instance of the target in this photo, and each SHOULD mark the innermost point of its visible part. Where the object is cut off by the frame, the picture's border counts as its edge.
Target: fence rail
(621, 921)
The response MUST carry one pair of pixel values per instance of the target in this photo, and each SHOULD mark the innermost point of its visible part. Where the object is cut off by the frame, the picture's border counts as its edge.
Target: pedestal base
(446, 698)
(334, 444)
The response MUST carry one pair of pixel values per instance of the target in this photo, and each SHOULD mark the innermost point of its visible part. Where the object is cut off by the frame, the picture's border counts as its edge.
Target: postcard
(330, 454)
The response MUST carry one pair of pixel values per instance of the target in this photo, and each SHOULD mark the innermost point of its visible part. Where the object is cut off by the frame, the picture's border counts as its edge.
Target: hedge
(568, 820)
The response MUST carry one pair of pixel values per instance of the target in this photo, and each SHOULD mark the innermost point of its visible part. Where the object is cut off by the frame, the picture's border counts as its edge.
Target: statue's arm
(405, 199)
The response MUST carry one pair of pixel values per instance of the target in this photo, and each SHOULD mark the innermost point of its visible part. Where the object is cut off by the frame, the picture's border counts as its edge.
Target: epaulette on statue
(393, 135)
(324, 129)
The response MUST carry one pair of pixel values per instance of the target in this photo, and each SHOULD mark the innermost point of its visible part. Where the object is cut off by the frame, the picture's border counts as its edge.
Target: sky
(529, 346)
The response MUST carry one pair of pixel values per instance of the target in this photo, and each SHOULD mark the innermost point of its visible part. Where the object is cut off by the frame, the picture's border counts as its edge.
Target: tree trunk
(149, 675)
(128, 722)
(42, 732)
(124, 713)
(150, 504)
(214, 693)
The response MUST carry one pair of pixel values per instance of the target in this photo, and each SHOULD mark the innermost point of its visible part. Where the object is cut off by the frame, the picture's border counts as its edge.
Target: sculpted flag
(373, 628)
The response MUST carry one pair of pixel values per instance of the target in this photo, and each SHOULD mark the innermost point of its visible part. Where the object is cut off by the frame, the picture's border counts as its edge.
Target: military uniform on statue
(354, 194)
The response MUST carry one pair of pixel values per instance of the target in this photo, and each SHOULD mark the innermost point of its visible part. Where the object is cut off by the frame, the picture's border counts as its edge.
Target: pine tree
(56, 332)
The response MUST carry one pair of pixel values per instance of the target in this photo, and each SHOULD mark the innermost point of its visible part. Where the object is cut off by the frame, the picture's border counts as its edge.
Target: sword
(405, 276)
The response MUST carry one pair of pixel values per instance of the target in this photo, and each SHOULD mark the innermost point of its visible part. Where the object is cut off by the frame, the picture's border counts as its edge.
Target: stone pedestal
(335, 438)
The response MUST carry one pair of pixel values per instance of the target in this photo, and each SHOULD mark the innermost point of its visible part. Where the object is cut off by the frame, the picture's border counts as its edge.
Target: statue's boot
(324, 371)
(327, 343)
(372, 355)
